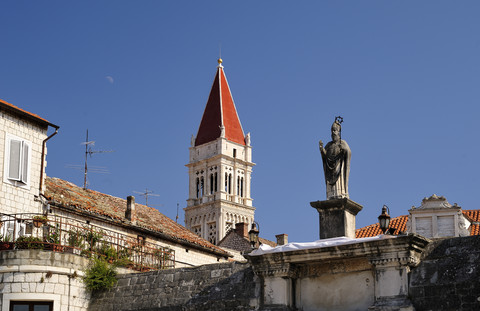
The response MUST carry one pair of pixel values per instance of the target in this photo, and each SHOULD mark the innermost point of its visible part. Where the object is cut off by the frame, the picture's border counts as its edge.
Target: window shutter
(15, 159)
(24, 170)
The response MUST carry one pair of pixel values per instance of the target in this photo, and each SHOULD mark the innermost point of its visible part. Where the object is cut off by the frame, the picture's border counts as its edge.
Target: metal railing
(69, 235)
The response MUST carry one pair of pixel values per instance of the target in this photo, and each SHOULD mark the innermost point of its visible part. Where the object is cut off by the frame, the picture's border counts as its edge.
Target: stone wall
(20, 199)
(43, 276)
(448, 278)
(227, 286)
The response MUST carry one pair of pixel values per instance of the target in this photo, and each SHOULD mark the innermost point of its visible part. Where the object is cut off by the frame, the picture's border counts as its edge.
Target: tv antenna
(146, 194)
(89, 151)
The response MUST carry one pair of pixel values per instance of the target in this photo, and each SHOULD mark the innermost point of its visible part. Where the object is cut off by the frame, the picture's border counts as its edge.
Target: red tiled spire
(220, 111)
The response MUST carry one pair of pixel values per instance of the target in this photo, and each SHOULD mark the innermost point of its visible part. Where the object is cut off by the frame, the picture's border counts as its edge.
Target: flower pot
(6, 246)
(39, 222)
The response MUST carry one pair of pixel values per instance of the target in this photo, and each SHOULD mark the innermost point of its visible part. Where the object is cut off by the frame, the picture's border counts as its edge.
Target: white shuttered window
(17, 161)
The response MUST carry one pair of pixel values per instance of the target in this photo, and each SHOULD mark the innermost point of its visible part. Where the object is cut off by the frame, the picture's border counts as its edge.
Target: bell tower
(220, 167)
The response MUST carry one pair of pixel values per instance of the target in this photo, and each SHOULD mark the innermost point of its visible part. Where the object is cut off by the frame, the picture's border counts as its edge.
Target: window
(229, 183)
(31, 305)
(212, 186)
(234, 152)
(212, 233)
(17, 161)
(241, 187)
(198, 187)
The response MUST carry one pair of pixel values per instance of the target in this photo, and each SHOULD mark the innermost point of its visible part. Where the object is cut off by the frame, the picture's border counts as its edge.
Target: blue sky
(404, 75)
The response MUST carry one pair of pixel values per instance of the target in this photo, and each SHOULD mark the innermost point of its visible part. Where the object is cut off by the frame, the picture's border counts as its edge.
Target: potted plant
(38, 221)
(92, 237)
(6, 242)
(53, 239)
(75, 241)
(28, 242)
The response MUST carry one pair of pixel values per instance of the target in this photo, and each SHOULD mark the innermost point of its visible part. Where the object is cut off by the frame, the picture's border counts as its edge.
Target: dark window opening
(198, 187)
(229, 183)
(31, 305)
(212, 186)
(241, 187)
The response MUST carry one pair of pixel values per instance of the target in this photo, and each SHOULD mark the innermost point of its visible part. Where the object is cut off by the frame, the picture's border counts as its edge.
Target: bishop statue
(336, 163)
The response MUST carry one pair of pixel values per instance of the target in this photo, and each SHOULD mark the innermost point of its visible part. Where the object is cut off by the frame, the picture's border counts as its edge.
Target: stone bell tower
(220, 168)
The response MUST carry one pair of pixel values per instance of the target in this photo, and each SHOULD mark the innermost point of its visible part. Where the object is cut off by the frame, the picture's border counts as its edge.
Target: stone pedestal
(337, 217)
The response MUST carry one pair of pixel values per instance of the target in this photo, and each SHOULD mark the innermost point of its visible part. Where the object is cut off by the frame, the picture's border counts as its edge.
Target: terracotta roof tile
(24, 112)
(400, 225)
(65, 194)
(220, 110)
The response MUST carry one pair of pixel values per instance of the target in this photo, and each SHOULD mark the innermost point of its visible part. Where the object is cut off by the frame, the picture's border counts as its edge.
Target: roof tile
(66, 194)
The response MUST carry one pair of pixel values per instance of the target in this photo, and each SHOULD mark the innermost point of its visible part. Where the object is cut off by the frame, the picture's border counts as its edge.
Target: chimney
(242, 229)
(282, 239)
(130, 212)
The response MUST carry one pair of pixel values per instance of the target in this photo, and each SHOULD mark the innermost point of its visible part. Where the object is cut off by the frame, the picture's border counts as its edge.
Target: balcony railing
(69, 235)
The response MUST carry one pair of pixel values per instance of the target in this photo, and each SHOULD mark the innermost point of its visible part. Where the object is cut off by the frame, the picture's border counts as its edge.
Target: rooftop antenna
(90, 151)
(220, 50)
(146, 194)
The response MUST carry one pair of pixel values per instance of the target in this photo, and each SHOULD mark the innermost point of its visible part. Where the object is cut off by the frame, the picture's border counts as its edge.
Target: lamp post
(253, 234)
(384, 219)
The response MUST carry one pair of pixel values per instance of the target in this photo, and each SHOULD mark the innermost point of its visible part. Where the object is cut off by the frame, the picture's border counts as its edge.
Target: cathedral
(219, 168)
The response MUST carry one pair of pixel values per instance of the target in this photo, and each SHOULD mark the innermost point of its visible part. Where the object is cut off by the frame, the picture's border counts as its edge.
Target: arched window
(238, 185)
(226, 182)
(202, 186)
(211, 184)
(230, 183)
(241, 187)
(198, 187)
(216, 179)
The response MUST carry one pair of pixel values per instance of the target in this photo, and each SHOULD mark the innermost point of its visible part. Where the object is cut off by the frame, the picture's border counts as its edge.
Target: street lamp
(384, 219)
(253, 234)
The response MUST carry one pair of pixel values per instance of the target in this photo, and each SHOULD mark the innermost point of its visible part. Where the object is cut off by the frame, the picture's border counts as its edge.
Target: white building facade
(220, 168)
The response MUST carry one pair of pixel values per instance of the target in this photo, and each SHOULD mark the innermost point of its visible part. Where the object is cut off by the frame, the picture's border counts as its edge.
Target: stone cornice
(402, 250)
(345, 203)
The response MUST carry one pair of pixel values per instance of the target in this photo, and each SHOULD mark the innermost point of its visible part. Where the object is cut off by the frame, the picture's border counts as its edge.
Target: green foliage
(29, 242)
(92, 237)
(53, 235)
(108, 252)
(6, 238)
(42, 218)
(100, 275)
(75, 238)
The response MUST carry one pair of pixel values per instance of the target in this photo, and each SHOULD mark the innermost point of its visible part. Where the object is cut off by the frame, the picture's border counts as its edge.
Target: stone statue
(247, 139)
(222, 131)
(192, 141)
(336, 163)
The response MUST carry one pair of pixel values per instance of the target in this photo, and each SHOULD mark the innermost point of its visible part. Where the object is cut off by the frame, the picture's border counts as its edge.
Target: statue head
(337, 129)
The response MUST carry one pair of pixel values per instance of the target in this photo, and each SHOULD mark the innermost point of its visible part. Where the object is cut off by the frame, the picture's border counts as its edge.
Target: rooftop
(400, 225)
(25, 113)
(220, 112)
(65, 195)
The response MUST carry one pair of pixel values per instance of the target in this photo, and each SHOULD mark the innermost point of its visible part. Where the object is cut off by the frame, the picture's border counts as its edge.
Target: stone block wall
(226, 286)
(448, 277)
(17, 199)
(43, 276)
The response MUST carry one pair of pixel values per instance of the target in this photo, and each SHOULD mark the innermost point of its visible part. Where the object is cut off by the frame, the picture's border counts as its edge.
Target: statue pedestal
(337, 217)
